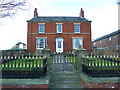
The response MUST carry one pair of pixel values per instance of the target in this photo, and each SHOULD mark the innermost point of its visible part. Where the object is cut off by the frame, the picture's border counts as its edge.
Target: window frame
(77, 28)
(57, 27)
(73, 44)
(39, 30)
(38, 44)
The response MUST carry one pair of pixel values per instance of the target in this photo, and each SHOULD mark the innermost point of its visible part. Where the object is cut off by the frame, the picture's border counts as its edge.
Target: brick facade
(109, 42)
(51, 35)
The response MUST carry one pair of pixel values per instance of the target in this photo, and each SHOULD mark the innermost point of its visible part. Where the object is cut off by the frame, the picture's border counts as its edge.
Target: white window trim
(77, 38)
(79, 27)
(77, 23)
(39, 28)
(40, 38)
(57, 27)
(41, 23)
(59, 23)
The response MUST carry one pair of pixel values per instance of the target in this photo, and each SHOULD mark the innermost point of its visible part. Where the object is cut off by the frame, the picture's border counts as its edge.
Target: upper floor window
(76, 27)
(77, 43)
(41, 28)
(40, 43)
(59, 27)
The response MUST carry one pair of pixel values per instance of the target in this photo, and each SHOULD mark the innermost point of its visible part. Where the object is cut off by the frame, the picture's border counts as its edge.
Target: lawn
(96, 63)
(23, 64)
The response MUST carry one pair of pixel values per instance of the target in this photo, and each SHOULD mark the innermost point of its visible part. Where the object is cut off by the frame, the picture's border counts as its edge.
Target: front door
(59, 44)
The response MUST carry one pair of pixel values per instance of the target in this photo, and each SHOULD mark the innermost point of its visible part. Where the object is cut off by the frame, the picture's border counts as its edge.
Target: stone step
(66, 85)
(65, 78)
(65, 82)
(64, 73)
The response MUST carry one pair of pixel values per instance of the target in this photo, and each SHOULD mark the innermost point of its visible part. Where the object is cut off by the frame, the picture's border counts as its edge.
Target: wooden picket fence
(23, 66)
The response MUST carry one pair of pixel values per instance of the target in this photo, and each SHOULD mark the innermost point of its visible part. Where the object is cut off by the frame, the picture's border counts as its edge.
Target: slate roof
(58, 19)
(108, 35)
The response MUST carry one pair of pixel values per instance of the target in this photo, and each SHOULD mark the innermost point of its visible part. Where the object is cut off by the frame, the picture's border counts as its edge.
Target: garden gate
(61, 62)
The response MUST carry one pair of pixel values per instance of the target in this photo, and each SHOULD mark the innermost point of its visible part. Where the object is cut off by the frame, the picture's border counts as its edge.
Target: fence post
(79, 55)
(46, 56)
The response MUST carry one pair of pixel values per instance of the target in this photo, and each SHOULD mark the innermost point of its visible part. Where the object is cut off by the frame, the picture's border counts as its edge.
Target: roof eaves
(54, 19)
(108, 35)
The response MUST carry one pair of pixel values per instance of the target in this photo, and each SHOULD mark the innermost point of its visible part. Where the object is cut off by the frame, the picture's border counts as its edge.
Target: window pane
(41, 43)
(76, 43)
(59, 28)
(59, 44)
(77, 28)
(41, 28)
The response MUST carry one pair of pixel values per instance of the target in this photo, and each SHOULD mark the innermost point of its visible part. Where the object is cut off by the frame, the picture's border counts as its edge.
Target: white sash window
(77, 28)
(59, 28)
(41, 28)
(77, 42)
(40, 43)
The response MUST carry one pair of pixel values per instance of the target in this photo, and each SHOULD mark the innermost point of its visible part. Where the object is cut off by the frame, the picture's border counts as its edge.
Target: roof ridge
(107, 35)
(59, 18)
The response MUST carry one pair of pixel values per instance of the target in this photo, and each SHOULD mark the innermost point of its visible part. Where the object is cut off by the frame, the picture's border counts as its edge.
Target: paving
(33, 81)
(63, 74)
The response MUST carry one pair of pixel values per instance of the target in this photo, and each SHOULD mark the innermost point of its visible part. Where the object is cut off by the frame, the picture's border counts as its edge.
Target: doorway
(59, 44)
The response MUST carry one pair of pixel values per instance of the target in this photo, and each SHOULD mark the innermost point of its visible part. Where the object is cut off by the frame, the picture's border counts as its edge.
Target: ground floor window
(40, 43)
(77, 42)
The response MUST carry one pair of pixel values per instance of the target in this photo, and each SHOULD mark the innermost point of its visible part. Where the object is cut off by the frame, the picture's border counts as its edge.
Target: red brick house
(60, 33)
(109, 44)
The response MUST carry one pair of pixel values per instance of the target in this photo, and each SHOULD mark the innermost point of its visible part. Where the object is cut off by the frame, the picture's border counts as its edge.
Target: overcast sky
(102, 13)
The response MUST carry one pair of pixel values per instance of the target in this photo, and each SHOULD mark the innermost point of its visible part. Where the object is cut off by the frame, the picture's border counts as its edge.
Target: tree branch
(10, 7)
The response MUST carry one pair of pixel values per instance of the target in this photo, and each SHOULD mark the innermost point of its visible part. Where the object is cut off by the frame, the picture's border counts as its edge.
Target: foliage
(80, 47)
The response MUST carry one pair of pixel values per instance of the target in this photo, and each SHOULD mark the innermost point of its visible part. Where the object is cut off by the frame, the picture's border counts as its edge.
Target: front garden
(25, 66)
(97, 65)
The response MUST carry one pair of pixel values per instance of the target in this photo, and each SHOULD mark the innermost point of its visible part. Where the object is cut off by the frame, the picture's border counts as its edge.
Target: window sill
(39, 48)
(77, 32)
(41, 33)
(59, 33)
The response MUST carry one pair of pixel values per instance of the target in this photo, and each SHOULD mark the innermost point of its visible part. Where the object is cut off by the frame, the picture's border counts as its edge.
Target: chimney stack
(35, 12)
(81, 13)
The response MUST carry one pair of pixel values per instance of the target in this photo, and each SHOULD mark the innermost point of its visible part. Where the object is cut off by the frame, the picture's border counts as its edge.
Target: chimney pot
(82, 13)
(35, 12)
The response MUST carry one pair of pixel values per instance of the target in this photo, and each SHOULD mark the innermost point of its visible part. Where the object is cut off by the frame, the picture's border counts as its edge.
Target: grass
(95, 63)
(26, 64)
(100, 62)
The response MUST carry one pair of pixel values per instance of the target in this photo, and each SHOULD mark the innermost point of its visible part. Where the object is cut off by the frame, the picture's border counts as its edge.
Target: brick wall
(109, 42)
(50, 33)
